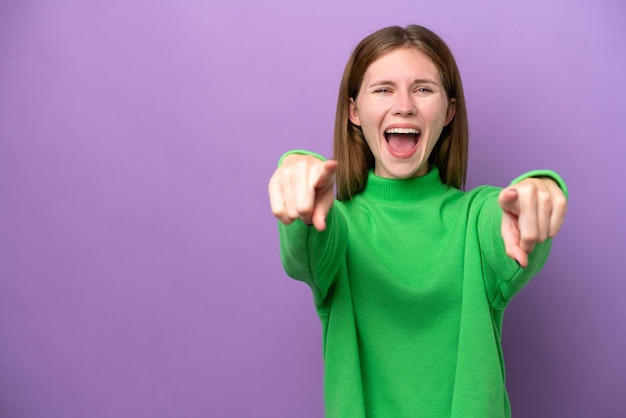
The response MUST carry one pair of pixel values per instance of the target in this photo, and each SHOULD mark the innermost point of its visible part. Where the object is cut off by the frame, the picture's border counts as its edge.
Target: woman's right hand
(303, 188)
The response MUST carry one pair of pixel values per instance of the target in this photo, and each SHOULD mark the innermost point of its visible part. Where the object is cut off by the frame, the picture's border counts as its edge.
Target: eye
(382, 90)
(423, 90)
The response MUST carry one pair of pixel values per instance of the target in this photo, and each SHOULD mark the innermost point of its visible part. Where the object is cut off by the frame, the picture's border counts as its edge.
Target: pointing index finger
(509, 200)
(327, 174)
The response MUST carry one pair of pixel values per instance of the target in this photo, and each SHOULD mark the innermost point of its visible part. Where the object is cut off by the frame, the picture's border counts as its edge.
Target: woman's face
(402, 108)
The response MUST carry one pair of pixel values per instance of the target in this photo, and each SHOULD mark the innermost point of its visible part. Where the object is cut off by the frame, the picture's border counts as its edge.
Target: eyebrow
(416, 81)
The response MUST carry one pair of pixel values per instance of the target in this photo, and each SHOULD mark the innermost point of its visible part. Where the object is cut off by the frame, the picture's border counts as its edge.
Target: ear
(451, 111)
(352, 113)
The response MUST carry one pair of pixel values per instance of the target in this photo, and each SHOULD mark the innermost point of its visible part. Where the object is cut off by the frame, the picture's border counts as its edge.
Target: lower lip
(402, 155)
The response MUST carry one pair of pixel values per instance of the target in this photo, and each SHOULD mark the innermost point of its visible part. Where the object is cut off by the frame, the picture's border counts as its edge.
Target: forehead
(400, 63)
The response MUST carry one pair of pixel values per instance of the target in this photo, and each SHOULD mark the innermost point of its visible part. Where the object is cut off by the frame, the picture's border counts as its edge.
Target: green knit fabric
(410, 280)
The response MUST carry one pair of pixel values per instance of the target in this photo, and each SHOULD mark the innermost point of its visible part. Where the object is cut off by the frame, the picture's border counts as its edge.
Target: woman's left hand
(533, 211)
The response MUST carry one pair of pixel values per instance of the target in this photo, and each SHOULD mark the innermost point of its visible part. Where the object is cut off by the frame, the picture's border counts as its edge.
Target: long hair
(349, 147)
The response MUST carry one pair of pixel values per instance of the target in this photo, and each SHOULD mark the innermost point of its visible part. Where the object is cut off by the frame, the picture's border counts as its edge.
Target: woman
(410, 274)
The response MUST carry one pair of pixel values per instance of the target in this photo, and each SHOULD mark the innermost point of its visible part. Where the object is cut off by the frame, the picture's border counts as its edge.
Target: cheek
(437, 116)
(371, 110)
(370, 123)
(370, 139)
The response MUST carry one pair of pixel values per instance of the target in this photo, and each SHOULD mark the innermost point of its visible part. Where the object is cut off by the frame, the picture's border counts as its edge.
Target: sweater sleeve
(313, 256)
(503, 276)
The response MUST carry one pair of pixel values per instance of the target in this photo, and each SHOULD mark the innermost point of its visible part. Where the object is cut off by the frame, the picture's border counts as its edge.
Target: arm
(313, 256)
(515, 230)
(301, 196)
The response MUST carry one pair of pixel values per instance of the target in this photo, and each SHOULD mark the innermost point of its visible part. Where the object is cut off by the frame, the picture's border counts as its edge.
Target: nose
(404, 105)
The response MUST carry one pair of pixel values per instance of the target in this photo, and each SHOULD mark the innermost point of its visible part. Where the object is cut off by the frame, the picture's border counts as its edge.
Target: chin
(409, 171)
(404, 173)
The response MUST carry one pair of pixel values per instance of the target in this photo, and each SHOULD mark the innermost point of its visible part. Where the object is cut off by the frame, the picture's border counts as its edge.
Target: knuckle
(530, 239)
(287, 171)
(282, 217)
(304, 209)
(292, 213)
(301, 166)
(528, 187)
(277, 212)
(544, 197)
(286, 220)
(273, 183)
(554, 231)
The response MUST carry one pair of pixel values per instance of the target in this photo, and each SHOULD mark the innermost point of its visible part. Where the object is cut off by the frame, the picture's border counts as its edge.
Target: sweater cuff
(544, 173)
(300, 152)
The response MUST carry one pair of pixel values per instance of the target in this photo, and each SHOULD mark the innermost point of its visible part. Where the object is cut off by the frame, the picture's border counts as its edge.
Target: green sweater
(410, 280)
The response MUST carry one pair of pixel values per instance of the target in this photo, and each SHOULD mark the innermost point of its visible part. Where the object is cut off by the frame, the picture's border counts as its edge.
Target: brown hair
(350, 149)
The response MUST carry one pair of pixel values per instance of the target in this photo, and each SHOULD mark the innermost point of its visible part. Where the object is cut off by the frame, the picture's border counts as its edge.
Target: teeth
(402, 131)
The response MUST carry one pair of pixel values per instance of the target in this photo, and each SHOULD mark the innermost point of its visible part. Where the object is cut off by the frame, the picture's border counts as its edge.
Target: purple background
(139, 265)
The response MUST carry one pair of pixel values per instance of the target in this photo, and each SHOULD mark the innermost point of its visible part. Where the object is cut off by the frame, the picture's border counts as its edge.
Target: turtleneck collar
(404, 190)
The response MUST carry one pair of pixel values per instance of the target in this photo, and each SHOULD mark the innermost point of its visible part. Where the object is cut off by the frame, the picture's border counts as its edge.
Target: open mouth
(402, 140)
